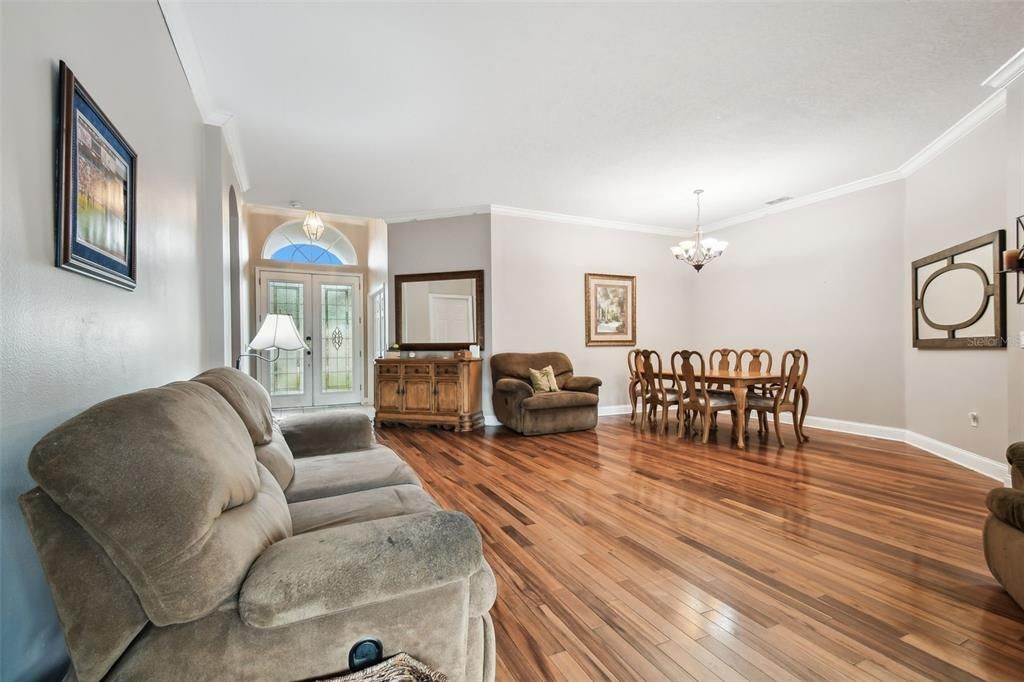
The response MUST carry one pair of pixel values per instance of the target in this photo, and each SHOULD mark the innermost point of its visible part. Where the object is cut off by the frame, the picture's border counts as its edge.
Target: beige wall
(538, 270)
(1014, 207)
(443, 245)
(958, 196)
(259, 222)
(69, 341)
(826, 278)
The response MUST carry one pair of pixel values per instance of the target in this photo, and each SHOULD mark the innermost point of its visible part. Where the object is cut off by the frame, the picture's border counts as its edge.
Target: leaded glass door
(327, 310)
(337, 357)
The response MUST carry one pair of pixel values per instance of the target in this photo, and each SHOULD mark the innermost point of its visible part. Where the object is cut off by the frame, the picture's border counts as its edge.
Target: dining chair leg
(778, 430)
(706, 417)
(632, 403)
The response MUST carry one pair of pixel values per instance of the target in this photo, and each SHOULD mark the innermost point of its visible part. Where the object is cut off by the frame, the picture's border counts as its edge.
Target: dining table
(739, 382)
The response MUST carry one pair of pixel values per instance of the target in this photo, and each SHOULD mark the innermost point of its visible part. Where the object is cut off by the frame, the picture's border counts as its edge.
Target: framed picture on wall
(610, 309)
(95, 190)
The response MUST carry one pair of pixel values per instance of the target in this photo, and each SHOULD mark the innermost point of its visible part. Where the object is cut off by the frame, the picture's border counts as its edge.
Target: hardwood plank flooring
(621, 554)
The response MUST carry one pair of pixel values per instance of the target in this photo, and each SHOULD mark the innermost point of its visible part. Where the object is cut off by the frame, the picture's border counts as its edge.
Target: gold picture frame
(610, 309)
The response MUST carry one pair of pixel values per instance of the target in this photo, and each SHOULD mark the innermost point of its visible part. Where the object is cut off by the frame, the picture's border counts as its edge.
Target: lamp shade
(278, 331)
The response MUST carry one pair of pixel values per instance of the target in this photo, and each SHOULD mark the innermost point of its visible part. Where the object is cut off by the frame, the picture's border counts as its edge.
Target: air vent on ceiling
(779, 200)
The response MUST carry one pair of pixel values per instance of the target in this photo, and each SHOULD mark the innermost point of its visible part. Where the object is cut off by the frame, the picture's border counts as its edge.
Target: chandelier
(700, 250)
(313, 226)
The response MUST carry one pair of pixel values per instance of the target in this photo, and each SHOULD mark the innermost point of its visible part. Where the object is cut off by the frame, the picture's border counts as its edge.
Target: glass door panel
(289, 378)
(338, 357)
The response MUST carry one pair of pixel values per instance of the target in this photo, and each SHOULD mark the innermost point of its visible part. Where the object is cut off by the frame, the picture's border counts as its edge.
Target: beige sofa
(572, 408)
(1004, 529)
(186, 536)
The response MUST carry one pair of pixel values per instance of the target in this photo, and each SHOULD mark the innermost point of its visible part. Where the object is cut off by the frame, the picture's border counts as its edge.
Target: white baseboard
(965, 458)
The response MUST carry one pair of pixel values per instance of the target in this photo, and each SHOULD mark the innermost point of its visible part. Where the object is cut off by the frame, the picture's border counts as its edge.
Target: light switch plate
(1021, 339)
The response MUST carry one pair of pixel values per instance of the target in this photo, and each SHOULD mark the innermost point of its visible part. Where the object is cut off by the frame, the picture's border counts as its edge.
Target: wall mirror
(440, 310)
(959, 297)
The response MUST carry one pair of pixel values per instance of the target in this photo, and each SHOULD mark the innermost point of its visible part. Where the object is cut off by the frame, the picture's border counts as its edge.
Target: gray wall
(826, 278)
(539, 268)
(958, 196)
(69, 341)
(442, 245)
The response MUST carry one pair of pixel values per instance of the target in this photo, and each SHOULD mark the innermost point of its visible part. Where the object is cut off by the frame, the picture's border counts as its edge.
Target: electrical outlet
(1020, 339)
(973, 416)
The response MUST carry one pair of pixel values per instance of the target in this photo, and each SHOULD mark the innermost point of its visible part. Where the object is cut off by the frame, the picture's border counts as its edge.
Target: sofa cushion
(551, 401)
(326, 432)
(365, 505)
(277, 457)
(167, 483)
(248, 398)
(348, 472)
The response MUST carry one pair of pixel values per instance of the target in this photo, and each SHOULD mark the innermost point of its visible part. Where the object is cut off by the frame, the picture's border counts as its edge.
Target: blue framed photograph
(95, 190)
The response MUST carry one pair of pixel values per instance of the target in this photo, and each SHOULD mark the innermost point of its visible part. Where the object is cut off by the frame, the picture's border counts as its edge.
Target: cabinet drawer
(446, 370)
(388, 370)
(417, 370)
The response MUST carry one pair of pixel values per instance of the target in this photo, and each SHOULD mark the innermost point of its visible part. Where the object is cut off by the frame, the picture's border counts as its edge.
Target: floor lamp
(277, 333)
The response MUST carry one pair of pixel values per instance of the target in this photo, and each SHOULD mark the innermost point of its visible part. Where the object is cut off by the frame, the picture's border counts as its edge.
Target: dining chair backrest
(794, 372)
(689, 371)
(631, 357)
(755, 360)
(650, 373)
(723, 360)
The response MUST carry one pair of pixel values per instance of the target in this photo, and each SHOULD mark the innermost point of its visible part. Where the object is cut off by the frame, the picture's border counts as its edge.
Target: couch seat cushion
(551, 401)
(365, 505)
(348, 472)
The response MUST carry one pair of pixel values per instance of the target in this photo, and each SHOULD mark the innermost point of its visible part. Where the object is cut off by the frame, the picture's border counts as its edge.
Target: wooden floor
(631, 556)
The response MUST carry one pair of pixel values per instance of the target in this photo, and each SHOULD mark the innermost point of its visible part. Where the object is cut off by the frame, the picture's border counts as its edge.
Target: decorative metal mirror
(960, 297)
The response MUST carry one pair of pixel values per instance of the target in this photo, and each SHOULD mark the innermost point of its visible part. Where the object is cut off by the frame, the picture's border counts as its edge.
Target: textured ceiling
(615, 111)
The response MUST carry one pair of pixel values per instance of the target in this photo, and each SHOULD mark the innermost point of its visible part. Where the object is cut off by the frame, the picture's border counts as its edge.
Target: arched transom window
(290, 244)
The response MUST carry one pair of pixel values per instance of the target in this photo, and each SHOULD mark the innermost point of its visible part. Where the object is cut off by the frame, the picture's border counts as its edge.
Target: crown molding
(433, 214)
(808, 199)
(992, 105)
(584, 220)
(1007, 73)
(195, 74)
(956, 132)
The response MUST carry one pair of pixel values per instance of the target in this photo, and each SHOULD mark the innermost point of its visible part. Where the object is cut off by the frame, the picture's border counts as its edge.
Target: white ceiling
(615, 111)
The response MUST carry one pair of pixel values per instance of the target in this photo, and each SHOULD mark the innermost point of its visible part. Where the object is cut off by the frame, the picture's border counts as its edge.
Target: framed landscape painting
(95, 190)
(610, 309)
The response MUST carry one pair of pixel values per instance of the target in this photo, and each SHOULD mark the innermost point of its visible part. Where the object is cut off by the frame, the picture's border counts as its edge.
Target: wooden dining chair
(691, 377)
(786, 396)
(722, 360)
(633, 388)
(754, 360)
(656, 392)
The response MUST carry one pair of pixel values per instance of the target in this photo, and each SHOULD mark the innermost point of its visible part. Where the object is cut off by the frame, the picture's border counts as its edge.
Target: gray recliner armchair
(183, 539)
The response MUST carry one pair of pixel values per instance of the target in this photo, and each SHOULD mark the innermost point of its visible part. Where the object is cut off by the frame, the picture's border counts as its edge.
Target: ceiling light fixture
(700, 250)
(313, 226)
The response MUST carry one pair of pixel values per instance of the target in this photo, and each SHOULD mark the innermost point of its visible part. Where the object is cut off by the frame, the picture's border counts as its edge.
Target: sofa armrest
(333, 570)
(582, 384)
(1007, 505)
(327, 433)
(517, 387)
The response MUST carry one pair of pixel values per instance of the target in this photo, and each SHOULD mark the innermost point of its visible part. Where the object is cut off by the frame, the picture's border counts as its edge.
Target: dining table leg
(740, 391)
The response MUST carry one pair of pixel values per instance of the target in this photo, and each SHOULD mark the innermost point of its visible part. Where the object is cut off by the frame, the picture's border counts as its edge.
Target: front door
(327, 310)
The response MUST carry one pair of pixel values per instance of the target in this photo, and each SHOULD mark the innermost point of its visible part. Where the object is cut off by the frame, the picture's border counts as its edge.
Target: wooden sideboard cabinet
(429, 392)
